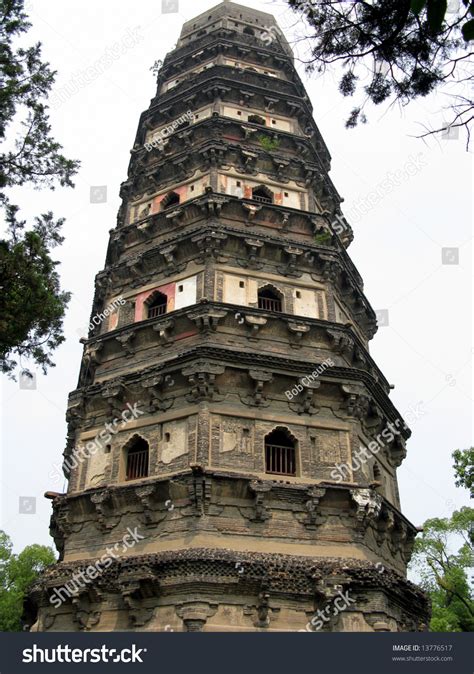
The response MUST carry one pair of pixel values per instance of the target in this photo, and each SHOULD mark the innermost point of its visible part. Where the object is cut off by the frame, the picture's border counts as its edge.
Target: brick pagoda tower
(233, 331)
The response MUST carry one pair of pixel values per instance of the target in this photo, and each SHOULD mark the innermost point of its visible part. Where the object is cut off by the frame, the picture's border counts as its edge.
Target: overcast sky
(425, 351)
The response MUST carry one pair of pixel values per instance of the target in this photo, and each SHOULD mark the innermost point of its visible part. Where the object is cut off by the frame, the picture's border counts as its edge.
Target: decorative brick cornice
(299, 578)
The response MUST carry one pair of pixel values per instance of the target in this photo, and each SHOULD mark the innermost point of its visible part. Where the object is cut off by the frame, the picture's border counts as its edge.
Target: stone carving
(168, 254)
(292, 267)
(195, 614)
(315, 494)
(207, 318)
(135, 266)
(164, 329)
(102, 501)
(260, 489)
(125, 339)
(260, 378)
(154, 387)
(369, 504)
(84, 616)
(255, 324)
(251, 210)
(297, 330)
(113, 392)
(398, 539)
(92, 355)
(385, 525)
(254, 248)
(210, 244)
(202, 380)
(214, 203)
(135, 588)
(357, 402)
(306, 401)
(200, 490)
(332, 447)
(263, 610)
(342, 342)
(144, 494)
(397, 452)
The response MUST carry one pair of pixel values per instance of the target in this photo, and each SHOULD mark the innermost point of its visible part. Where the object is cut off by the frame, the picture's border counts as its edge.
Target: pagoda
(232, 448)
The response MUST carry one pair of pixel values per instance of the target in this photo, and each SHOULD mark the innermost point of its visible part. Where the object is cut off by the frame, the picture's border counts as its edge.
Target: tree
(32, 305)
(17, 573)
(444, 573)
(394, 50)
(464, 468)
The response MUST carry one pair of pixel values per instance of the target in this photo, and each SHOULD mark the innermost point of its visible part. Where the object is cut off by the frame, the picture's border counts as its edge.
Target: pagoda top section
(230, 15)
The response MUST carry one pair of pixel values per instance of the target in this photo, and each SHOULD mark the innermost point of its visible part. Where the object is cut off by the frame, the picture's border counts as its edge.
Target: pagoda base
(214, 590)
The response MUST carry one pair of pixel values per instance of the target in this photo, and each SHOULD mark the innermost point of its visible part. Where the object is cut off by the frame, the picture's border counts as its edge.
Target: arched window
(256, 119)
(280, 452)
(171, 199)
(270, 299)
(137, 458)
(262, 194)
(248, 31)
(156, 305)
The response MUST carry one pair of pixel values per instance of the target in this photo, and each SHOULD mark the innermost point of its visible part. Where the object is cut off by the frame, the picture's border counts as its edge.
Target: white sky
(426, 351)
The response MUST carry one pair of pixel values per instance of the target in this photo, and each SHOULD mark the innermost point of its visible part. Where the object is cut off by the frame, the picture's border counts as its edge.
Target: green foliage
(393, 50)
(444, 574)
(32, 305)
(17, 573)
(323, 238)
(464, 469)
(269, 144)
